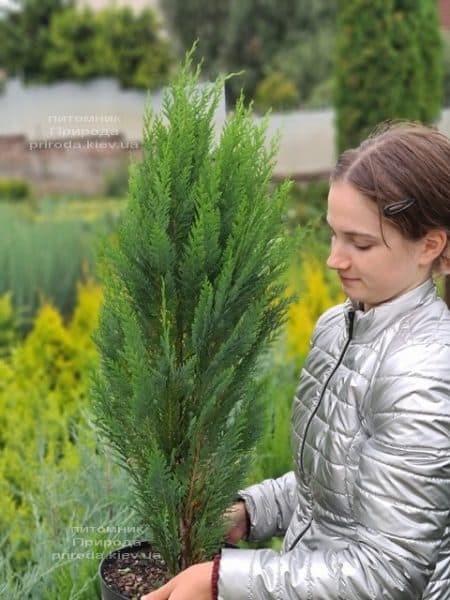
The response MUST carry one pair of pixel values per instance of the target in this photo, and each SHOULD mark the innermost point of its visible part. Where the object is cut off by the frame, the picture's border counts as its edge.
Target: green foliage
(308, 63)
(24, 35)
(264, 38)
(277, 92)
(75, 44)
(116, 181)
(274, 452)
(191, 20)
(308, 202)
(388, 65)
(445, 35)
(260, 30)
(77, 47)
(44, 254)
(73, 522)
(14, 189)
(193, 300)
(42, 392)
(430, 47)
(322, 95)
(141, 58)
(9, 325)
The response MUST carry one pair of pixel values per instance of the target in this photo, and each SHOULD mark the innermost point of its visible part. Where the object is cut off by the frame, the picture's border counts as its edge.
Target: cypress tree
(388, 65)
(194, 297)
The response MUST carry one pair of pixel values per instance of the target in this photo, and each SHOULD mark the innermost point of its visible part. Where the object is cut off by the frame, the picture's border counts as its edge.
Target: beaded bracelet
(215, 577)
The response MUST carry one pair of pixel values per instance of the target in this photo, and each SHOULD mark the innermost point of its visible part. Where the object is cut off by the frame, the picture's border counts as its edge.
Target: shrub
(14, 189)
(116, 181)
(9, 325)
(308, 63)
(77, 47)
(76, 517)
(24, 35)
(388, 65)
(316, 296)
(259, 30)
(308, 202)
(43, 254)
(277, 92)
(142, 58)
(53, 40)
(321, 95)
(42, 394)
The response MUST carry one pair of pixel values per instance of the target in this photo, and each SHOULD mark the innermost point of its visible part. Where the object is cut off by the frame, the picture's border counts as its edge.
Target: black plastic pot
(107, 592)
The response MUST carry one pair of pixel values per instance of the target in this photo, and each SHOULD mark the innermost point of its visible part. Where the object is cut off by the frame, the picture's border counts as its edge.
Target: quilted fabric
(365, 512)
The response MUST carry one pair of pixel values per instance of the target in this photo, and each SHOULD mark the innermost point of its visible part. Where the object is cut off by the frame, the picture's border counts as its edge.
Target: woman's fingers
(163, 593)
(192, 584)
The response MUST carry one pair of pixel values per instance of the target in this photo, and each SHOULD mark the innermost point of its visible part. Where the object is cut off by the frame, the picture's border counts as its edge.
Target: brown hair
(406, 165)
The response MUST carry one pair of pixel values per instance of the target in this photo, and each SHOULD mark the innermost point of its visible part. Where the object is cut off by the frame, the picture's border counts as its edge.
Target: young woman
(366, 511)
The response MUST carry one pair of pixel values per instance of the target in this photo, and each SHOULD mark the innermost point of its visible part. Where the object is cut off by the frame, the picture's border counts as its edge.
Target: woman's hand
(237, 517)
(195, 583)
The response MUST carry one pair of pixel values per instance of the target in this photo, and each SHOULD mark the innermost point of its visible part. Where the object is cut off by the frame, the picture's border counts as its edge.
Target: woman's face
(370, 271)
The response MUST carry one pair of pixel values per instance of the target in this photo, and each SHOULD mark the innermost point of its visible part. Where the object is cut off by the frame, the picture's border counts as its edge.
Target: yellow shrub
(315, 297)
(43, 392)
(8, 324)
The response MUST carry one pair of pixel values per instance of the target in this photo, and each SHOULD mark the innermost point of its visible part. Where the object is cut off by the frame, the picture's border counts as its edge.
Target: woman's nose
(338, 259)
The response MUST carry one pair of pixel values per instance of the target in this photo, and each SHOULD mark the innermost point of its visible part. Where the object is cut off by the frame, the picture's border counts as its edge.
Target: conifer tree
(388, 65)
(194, 297)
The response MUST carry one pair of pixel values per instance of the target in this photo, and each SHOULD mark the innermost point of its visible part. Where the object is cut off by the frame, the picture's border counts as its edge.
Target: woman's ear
(435, 243)
(436, 251)
(443, 262)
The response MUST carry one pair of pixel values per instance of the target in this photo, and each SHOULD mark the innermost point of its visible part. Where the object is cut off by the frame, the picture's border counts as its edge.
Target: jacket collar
(370, 323)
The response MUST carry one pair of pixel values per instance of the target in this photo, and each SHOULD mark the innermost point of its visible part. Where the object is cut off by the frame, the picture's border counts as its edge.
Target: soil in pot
(134, 570)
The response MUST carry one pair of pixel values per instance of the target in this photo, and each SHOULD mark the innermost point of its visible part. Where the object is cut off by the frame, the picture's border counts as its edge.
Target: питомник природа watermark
(85, 144)
(93, 543)
(83, 132)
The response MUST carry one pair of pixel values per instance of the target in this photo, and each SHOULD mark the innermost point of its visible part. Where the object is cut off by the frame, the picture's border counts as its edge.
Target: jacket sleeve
(270, 505)
(401, 500)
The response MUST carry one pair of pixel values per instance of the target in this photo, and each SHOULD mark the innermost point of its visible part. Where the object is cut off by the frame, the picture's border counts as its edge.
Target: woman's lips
(348, 279)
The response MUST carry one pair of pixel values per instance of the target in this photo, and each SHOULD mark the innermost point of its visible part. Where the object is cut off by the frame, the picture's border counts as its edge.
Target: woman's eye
(362, 247)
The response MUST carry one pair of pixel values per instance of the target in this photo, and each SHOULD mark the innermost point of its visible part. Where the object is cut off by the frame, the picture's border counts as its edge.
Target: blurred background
(75, 77)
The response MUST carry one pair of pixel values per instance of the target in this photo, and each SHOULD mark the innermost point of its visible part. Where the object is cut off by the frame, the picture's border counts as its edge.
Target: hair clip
(397, 207)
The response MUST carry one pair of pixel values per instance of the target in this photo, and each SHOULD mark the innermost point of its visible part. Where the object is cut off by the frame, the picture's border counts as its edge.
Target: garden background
(63, 503)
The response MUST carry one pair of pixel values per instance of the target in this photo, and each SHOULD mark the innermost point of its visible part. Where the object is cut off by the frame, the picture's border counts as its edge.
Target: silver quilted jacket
(366, 511)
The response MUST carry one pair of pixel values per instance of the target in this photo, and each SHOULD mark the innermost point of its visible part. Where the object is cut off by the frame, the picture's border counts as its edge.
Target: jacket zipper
(351, 316)
(350, 333)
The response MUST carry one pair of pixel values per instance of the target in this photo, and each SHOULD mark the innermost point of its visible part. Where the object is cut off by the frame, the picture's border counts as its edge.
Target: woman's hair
(405, 169)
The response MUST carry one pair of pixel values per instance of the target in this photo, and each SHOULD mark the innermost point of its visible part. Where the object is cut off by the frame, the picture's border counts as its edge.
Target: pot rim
(113, 554)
